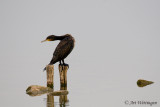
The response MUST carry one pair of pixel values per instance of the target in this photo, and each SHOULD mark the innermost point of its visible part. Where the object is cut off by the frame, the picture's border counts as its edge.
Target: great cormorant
(63, 49)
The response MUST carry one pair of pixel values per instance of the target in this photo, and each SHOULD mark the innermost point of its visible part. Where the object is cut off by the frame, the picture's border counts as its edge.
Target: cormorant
(63, 49)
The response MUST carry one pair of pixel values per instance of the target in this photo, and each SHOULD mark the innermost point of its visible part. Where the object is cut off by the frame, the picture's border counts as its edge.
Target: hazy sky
(117, 43)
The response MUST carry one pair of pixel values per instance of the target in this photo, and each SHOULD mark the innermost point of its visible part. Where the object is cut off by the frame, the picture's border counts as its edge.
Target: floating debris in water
(143, 83)
(36, 90)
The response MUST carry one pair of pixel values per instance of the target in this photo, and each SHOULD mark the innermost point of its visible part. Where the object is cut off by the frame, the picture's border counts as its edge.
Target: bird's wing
(62, 50)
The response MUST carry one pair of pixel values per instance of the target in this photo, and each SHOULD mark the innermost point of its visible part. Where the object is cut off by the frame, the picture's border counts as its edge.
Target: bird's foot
(63, 66)
(66, 65)
(60, 64)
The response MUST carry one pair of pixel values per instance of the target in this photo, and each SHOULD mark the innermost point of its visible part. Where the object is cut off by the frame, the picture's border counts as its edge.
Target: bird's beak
(44, 40)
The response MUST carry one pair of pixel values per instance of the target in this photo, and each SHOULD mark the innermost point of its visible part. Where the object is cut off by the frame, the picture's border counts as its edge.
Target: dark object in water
(143, 83)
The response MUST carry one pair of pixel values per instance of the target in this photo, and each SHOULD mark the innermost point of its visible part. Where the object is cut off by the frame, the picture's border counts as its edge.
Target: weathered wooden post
(63, 75)
(63, 83)
(50, 76)
(50, 83)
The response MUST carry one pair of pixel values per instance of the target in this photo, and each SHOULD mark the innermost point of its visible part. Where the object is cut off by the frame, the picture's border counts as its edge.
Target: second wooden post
(63, 84)
(63, 75)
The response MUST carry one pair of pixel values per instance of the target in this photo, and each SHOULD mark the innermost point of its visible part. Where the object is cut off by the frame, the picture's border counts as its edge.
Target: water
(91, 88)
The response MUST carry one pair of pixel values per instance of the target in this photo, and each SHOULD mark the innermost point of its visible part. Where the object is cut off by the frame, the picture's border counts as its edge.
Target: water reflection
(50, 101)
(63, 100)
(35, 90)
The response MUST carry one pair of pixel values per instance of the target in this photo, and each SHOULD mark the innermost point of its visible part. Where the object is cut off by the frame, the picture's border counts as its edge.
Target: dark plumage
(63, 49)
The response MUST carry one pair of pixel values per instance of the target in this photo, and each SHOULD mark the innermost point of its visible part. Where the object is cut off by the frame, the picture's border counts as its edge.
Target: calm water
(85, 90)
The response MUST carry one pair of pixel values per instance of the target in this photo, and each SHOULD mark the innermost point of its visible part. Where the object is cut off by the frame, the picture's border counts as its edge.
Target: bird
(63, 49)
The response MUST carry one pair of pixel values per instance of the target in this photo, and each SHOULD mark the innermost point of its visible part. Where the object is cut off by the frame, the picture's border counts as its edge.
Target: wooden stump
(50, 75)
(63, 84)
(59, 93)
(50, 83)
(63, 75)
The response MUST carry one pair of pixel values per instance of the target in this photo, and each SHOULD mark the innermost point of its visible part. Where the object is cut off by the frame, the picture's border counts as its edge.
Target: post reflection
(50, 101)
(63, 100)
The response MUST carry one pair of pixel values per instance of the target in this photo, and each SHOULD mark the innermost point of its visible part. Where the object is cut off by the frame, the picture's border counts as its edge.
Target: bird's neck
(59, 37)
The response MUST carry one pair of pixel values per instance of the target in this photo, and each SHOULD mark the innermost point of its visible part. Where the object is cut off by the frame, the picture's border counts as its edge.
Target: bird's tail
(51, 63)
(44, 69)
(48, 64)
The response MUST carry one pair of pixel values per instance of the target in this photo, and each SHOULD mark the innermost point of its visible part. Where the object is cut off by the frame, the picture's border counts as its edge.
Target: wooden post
(50, 75)
(63, 75)
(50, 83)
(63, 84)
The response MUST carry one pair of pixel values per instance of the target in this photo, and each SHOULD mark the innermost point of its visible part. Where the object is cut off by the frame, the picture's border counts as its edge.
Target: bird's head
(49, 38)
